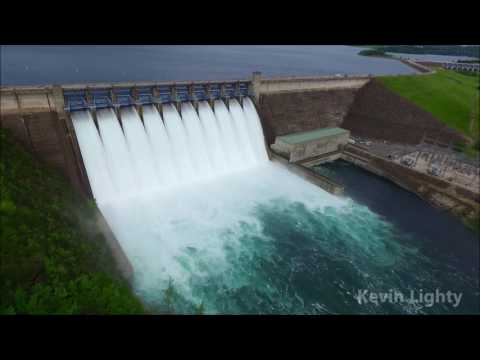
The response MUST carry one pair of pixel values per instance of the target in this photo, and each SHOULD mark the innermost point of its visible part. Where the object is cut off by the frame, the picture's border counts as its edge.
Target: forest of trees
(452, 50)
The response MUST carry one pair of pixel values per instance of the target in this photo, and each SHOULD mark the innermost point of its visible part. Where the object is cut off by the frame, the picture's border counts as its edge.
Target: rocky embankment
(379, 113)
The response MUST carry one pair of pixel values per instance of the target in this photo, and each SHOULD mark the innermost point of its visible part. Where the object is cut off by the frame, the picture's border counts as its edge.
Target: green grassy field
(450, 96)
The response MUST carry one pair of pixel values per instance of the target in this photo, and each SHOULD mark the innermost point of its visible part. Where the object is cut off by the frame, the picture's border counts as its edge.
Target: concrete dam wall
(286, 113)
(36, 118)
(39, 116)
(289, 105)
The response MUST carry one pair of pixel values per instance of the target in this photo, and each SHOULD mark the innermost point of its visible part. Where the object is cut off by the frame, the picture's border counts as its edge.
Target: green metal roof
(302, 137)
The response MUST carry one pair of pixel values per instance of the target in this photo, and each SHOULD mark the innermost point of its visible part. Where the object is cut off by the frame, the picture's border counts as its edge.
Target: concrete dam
(169, 150)
(191, 191)
(40, 116)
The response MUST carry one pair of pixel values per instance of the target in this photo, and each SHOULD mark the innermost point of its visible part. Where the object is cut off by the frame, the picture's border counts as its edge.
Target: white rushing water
(177, 189)
(213, 137)
(233, 152)
(118, 156)
(180, 146)
(129, 156)
(161, 146)
(197, 142)
(94, 156)
(141, 151)
(192, 198)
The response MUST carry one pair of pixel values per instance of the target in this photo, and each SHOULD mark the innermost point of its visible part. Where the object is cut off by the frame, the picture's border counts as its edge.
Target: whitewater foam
(189, 187)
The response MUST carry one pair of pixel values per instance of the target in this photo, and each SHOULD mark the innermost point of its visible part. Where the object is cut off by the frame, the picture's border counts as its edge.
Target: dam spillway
(176, 187)
(228, 228)
(126, 156)
(195, 202)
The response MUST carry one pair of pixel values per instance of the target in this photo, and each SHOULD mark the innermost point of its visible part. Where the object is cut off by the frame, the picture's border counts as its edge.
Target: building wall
(310, 149)
(310, 175)
(324, 146)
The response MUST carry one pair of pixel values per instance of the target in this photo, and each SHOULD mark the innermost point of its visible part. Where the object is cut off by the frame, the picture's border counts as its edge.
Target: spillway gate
(117, 96)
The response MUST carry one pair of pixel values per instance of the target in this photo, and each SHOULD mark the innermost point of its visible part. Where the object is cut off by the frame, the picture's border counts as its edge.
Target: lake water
(23, 65)
(442, 253)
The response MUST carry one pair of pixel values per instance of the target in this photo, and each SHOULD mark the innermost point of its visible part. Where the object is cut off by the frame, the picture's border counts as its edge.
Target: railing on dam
(100, 97)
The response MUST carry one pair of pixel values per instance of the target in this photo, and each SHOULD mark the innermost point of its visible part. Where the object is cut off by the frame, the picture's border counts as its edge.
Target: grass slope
(450, 96)
(51, 261)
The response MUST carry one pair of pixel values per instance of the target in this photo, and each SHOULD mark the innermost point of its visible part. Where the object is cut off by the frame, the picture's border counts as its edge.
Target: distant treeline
(373, 52)
(452, 50)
